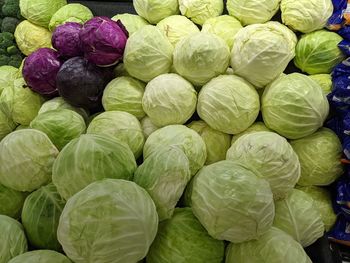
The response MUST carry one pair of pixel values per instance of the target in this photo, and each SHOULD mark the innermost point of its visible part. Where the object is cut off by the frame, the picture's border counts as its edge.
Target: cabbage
(42, 81)
(184, 138)
(323, 202)
(164, 175)
(19, 103)
(148, 54)
(294, 106)
(108, 221)
(253, 11)
(61, 126)
(13, 240)
(30, 37)
(40, 12)
(256, 127)
(120, 125)
(270, 157)
(298, 216)
(224, 26)
(156, 10)
(318, 52)
(66, 40)
(81, 83)
(200, 11)
(6, 125)
(319, 156)
(306, 15)
(231, 202)
(273, 247)
(41, 256)
(103, 41)
(120, 71)
(90, 158)
(26, 159)
(201, 57)
(228, 104)
(11, 202)
(217, 143)
(325, 82)
(131, 22)
(261, 52)
(183, 239)
(70, 13)
(40, 215)
(148, 127)
(169, 99)
(177, 28)
(124, 94)
(7, 75)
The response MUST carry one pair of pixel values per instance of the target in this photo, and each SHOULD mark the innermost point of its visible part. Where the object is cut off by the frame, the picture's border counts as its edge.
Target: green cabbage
(261, 52)
(122, 126)
(319, 156)
(156, 10)
(200, 11)
(253, 11)
(40, 215)
(318, 52)
(26, 159)
(228, 104)
(13, 241)
(270, 157)
(273, 247)
(256, 127)
(217, 143)
(148, 126)
(7, 125)
(298, 216)
(306, 15)
(108, 221)
(183, 239)
(294, 106)
(164, 175)
(41, 256)
(325, 82)
(148, 54)
(231, 202)
(201, 57)
(70, 13)
(131, 22)
(224, 26)
(169, 99)
(7, 75)
(11, 202)
(178, 135)
(177, 28)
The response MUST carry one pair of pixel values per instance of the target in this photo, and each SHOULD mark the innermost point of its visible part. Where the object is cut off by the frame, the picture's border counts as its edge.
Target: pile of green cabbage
(207, 149)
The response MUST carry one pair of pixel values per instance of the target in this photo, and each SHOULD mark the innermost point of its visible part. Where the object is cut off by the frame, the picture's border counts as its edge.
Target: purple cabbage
(40, 70)
(66, 40)
(103, 41)
(81, 83)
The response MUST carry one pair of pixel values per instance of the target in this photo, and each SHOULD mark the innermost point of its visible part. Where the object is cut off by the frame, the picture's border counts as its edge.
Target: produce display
(193, 131)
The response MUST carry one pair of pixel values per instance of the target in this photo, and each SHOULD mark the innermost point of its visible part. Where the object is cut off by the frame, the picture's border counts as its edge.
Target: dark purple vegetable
(40, 70)
(66, 40)
(103, 41)
(81, 83)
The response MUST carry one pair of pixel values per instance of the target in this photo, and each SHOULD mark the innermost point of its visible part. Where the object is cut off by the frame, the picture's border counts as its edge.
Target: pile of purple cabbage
(80, 65)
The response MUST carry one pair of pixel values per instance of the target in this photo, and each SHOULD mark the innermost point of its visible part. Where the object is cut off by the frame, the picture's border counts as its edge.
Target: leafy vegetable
(201, 57)
(201, 10)
(237, 100)
(105, 215)
(7, 125)
(298, 217)
(131, 22)
(226, 190)
(66, 40)
(90, 158)
(41, 256)
(26, 159)
(256, 127)
(183, 239)
(11, 202)
(148, 127)
(169, 99)
(122, 126)
(255, 45)
(148, 54)
(7, 75)
(325, 82)
(156, 10)
(319, 156)
(294, 106)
